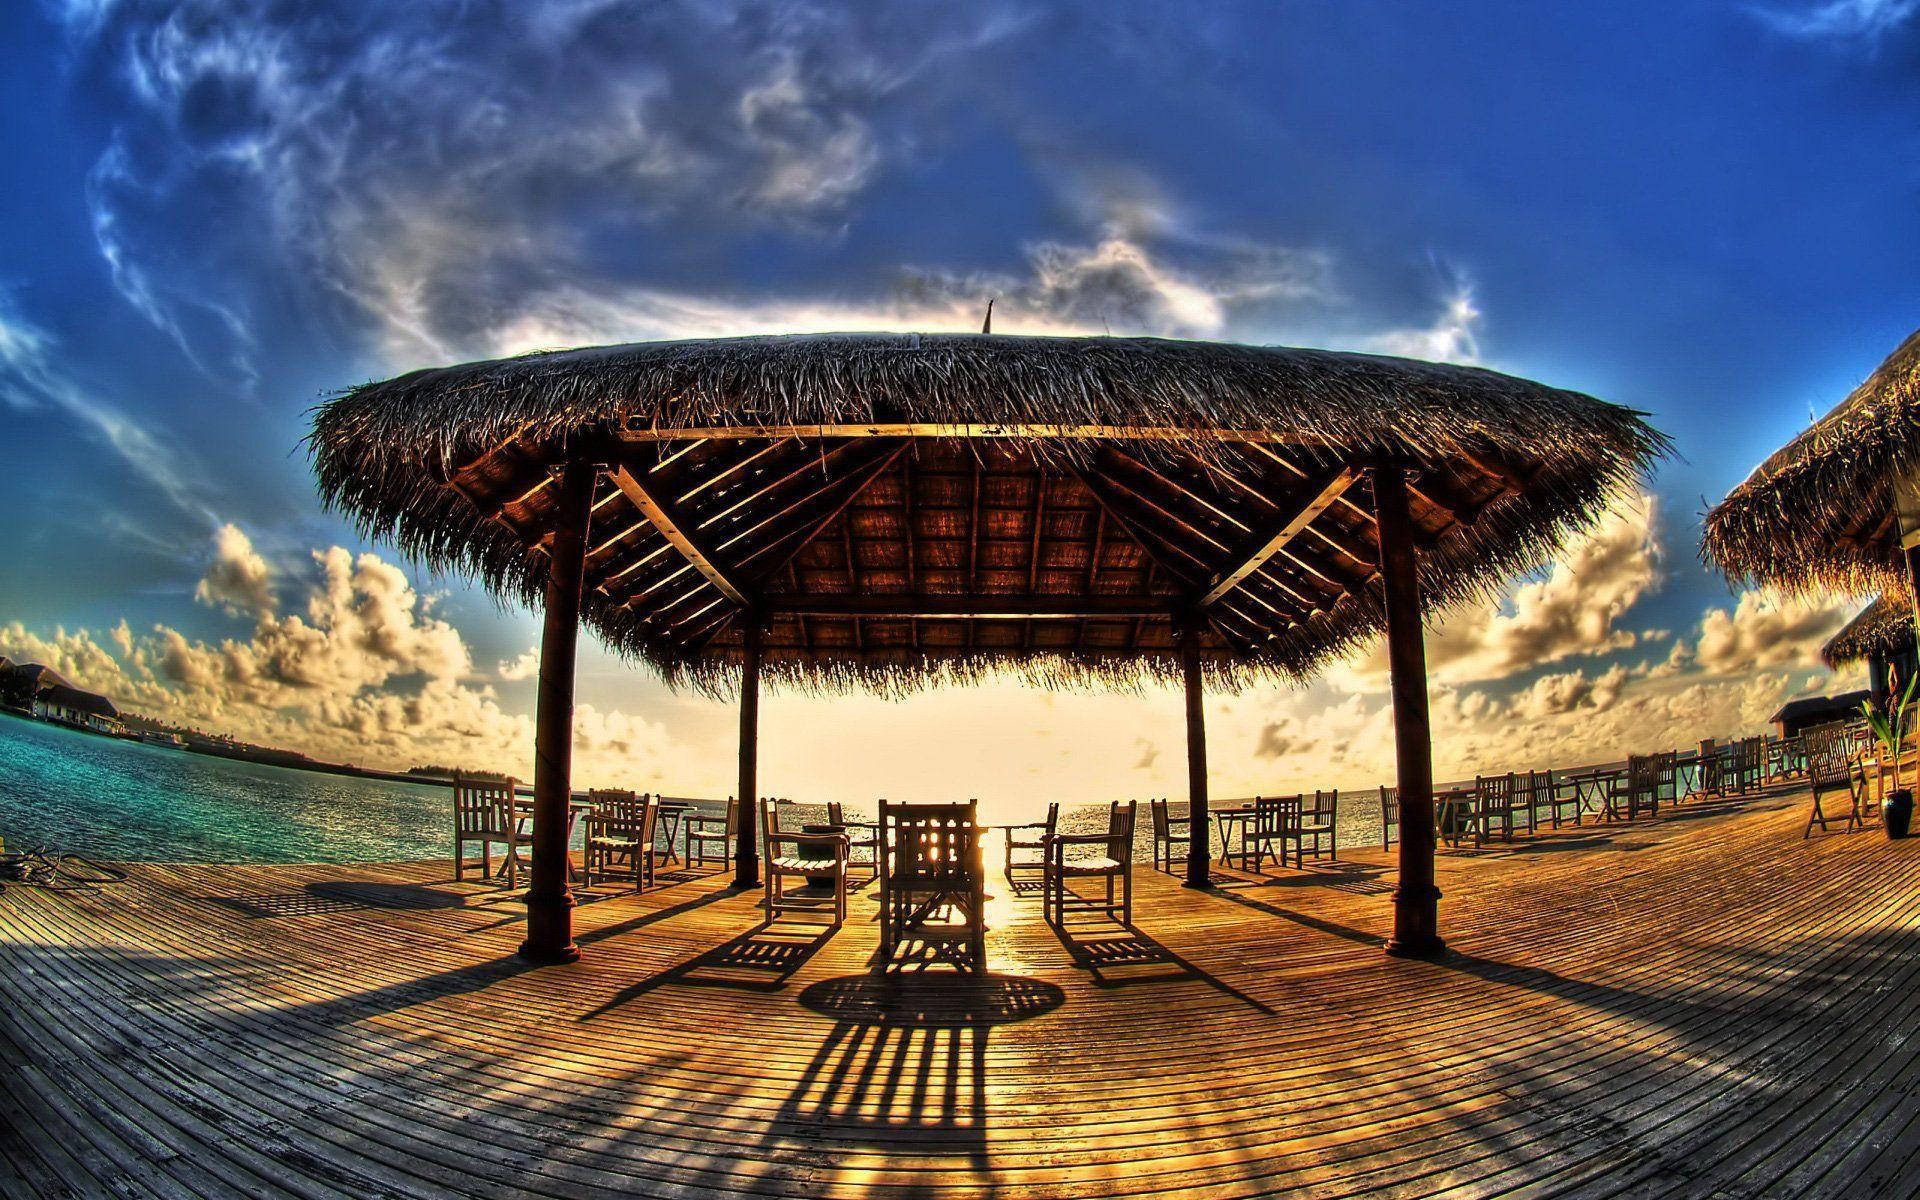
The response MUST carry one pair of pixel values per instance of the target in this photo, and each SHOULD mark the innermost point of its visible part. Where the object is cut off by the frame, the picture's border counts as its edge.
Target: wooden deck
(1702, 1006)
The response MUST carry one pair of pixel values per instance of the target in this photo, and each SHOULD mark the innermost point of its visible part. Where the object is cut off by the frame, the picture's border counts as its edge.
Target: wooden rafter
(1265, 543)
(969, 608)
(1017, 431)
(854, 485)
(684, 538)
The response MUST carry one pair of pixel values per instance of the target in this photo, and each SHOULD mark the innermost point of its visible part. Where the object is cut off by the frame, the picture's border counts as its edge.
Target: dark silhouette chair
(1168, 831)
(1113, 864)
(710, 838)
(1030, 838)
(932, 885)
(805, 856)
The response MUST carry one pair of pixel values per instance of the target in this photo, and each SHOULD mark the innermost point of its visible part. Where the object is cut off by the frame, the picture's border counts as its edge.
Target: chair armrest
(1079, 839)
(837, 842)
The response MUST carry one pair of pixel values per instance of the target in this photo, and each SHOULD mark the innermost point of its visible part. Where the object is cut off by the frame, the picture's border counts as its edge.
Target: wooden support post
(549, 898)
(1416, 901)
(1912, 556)
(746, 845)
(1199, 826)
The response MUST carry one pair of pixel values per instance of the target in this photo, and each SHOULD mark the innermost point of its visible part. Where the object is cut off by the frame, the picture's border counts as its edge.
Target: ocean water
(111, 799)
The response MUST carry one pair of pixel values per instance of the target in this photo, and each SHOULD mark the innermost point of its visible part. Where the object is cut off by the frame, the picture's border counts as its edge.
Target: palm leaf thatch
(1818, 514)
(1883, 628)
(901, 510)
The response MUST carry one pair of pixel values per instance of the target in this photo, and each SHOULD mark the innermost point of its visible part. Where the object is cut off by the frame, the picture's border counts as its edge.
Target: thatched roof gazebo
(1880, 635)
(886, 511)
(1883, 628)
(1822, 512)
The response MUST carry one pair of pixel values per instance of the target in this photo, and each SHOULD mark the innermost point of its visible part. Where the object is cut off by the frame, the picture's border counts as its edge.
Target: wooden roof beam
(1269, 542)
(968, 430)
(903, 607)
(684, 538)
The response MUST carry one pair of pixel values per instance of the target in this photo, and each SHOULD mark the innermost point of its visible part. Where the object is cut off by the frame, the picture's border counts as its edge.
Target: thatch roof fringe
(1884, 627)
(1816, 515)
(385, 454)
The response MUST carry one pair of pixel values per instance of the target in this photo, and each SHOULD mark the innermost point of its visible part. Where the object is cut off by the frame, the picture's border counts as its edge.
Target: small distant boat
(163, 739)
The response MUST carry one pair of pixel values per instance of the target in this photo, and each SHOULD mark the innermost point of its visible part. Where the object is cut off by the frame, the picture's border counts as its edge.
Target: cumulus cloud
(1574, 611)
(522, 666)
(238, 580)
(1765, 630)
(365, 673)
(1571, 691)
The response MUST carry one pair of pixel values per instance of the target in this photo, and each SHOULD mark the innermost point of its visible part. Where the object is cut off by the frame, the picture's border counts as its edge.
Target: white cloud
(1840, 20)
(31, 377)
(1766, 631)
(364, 674)
(1451, 337)
(522, 666)
(429, 180)
(1575, 611)
(238, 580)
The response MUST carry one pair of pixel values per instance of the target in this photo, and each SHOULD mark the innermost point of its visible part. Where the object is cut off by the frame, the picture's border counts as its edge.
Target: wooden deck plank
(1686, 1007)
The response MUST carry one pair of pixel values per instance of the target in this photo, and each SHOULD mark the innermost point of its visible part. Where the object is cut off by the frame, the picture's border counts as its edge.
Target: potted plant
(1890, 728)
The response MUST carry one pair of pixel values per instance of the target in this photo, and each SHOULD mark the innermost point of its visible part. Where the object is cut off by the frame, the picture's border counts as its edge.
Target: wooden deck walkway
(1703, 1006)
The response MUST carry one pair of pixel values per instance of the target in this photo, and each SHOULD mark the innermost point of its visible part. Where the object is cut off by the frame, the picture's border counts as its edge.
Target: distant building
(49, 695)
(1809, 711)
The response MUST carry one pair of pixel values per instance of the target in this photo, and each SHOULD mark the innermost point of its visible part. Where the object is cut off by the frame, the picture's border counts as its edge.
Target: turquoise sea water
(106, 798)
(112, 799)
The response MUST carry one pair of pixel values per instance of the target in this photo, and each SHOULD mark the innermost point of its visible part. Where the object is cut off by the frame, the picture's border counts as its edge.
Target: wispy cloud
(1857, 21)
(32, 376)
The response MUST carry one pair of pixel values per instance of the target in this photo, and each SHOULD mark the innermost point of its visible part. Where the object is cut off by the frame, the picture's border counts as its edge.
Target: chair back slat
(480, 806)
(623, 815)
(1829, 751)
(1120, 819)
(1275, 816)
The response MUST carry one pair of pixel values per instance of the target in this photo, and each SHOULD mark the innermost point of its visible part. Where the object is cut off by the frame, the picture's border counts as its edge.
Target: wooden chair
(1752, 764)
(1115, 862)
(861, 835)
(620, 830)
(1833, 768)
(1493, 806)
(1540, 797)
(783, 860)
(1273, 828)
(932, 885)
(1638, 789)
(480, 811)
(1168, 830)
(1389, 816)
(1317, 833)
(706, 831)
(1031, 837)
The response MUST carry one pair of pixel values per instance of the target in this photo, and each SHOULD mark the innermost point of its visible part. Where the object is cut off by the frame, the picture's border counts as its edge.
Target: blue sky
(214, 213)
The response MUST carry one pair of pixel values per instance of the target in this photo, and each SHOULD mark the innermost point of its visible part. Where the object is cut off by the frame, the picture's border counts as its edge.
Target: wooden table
(521, 809)
(672, 816)
(1452, 800)
(1593, 788)
(1224, 820)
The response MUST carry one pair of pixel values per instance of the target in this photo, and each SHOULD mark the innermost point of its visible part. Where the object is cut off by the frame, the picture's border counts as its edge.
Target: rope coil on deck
(54, 870)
